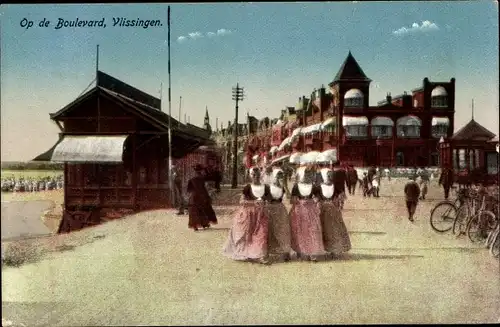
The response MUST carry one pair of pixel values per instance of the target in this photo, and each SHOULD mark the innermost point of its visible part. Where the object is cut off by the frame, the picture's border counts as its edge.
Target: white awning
(382, 121)
(352, 121)
(273, 149)
(295, 157)
(409, 121)
(280, 158)
(311, 129)
(285, 142)
(296, 132)
(327, 156)
(90, 149)
(440, 121)
(328, 122)
(309, 157)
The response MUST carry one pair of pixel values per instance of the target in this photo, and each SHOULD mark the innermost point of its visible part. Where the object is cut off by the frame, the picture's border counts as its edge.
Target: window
(461, 159)
(329, 129)
(492, 163)
(439, 101)
(439, 130)
(353, 102)
(380, 131)
(415, 103)
(408, 131)
(356, 131)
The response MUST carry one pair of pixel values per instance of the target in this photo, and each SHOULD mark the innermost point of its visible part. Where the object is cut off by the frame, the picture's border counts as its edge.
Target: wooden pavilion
(471, 149)
(114, 145)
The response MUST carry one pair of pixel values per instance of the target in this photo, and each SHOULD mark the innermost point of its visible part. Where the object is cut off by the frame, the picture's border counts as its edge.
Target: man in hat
(446, 180)
(412, 194)
(201, 213)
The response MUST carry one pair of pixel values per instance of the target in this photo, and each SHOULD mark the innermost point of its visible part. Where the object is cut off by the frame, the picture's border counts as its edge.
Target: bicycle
(468, 209)
(494, 240)
(450, 212)
(481, 223)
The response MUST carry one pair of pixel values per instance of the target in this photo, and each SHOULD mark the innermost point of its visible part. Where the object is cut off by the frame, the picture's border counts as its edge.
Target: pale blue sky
(278, 52)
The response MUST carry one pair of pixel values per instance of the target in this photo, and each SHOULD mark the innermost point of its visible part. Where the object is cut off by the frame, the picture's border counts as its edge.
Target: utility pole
(170, 180)
(237, 96)
(180, 106)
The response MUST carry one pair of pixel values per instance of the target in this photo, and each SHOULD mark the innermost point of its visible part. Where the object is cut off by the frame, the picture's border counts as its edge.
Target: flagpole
(170, 184)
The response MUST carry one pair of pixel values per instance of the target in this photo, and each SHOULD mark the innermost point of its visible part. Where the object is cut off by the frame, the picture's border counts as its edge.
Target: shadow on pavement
(365, 256)
(367, 232)
(214, 229)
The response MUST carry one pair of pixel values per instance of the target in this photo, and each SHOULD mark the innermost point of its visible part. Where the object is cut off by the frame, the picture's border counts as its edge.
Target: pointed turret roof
(206, 112)
(473, 131)
(350, 71)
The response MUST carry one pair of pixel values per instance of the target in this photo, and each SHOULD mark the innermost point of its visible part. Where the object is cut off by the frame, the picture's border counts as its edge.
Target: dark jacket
(412, 191)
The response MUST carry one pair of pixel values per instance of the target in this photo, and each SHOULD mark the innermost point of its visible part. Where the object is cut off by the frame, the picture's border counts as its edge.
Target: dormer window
(439, 97)
(353, 98)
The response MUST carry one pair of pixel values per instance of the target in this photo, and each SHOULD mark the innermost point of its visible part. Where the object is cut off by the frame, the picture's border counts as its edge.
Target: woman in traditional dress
(248, 236)
(307, 239)
(279, 222)
(335, 236)
(200, 210)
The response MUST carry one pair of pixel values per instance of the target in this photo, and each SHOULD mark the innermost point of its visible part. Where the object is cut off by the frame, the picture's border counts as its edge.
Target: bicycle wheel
(443, 216)
(460, 220)
(478, 226)
(495, 246)
(490, 238)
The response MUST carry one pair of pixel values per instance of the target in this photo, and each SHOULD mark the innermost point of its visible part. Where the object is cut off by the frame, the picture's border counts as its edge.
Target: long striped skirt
(335, 235)
(279, 241)
(307, 238)
(248, 235)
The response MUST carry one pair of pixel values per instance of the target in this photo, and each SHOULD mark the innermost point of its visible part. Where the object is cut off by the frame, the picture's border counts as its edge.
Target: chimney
(388, 97)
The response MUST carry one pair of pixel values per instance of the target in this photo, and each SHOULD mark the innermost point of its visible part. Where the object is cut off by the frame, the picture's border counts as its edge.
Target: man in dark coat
(412, 193)
(339, 181)
(201, 213)
(352, 179)
(446, 180)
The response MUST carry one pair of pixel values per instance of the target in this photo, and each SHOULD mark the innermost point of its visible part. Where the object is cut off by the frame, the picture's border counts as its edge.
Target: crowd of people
(263, 229)
(31, 184)
(313, 229)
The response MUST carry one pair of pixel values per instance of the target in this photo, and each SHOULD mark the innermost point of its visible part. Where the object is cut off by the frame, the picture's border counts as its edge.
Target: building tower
(206, 123)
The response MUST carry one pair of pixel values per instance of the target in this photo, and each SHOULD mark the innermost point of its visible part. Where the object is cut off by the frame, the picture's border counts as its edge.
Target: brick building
(401, 130)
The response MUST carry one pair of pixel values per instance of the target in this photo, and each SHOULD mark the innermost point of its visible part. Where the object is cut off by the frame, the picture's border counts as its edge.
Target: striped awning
(296, 132)
(295, 157)
(353, 121)
(285, 142)
(74, 149)
(440, 121)
(309, 157)
(327, 156)
(382, 121)
(328, 122)
(311, 129)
